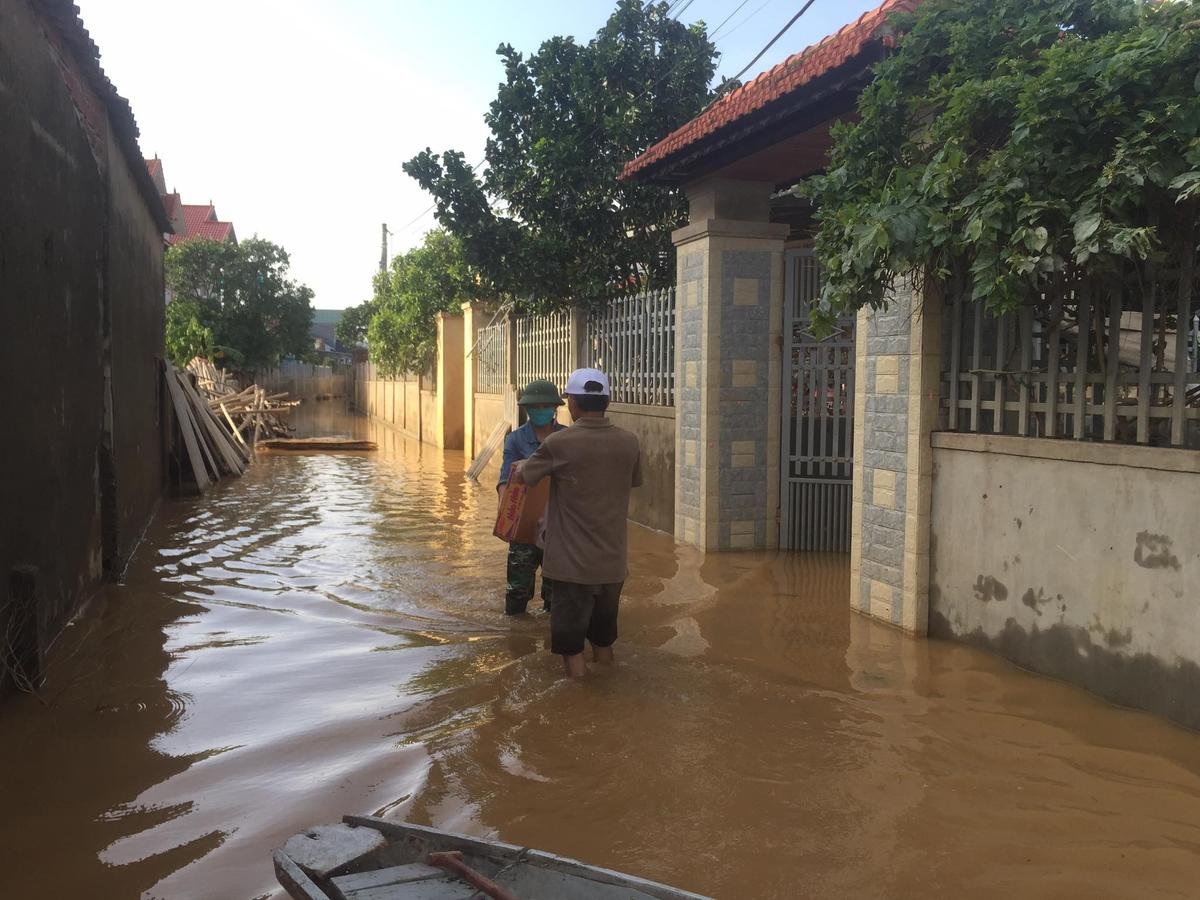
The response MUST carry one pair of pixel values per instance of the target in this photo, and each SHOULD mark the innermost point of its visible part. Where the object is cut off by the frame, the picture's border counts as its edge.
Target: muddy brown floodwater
(323, 636)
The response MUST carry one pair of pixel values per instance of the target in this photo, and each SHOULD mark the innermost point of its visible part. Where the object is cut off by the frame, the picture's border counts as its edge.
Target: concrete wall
(653, 504)
(304, 381)
(429, 412)
(81, 307)
(489, 410)
(134, 286)
(400, 402)
(1077, 560)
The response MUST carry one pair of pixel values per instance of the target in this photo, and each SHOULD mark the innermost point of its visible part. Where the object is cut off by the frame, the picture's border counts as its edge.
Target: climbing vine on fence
(1013, 147)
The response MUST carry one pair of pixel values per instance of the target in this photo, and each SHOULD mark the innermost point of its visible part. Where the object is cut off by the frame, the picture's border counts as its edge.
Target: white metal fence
(632, 339)
(544, 348)
(1082, 367)
(491, 358)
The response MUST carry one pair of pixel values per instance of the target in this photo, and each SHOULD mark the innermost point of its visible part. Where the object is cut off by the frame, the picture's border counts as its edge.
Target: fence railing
(1077, 367)
(633, 340)
(544, 348)
(491, 358)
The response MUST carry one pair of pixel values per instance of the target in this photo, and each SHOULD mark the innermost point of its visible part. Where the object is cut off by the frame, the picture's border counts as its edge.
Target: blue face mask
(541, 417)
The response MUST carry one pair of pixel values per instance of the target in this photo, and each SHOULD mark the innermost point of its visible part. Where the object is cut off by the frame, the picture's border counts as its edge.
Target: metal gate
(818, 419)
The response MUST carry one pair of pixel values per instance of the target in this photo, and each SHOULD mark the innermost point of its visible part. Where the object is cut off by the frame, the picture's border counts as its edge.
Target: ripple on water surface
(324, 636)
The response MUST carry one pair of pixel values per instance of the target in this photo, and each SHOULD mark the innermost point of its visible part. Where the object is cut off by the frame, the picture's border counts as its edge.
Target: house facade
(1024, 483)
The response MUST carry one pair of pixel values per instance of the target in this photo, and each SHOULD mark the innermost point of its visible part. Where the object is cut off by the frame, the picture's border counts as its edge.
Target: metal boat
(369, 858)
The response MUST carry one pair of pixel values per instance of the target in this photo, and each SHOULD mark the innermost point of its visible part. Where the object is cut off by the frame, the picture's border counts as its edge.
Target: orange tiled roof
(196, 214)
(794, 72)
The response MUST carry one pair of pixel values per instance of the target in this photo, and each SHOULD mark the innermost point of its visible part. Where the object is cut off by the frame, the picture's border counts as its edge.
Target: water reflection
(324, 635)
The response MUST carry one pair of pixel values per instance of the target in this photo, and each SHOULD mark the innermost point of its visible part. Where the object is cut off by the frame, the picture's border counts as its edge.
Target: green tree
(564, 122)
(243, 295)
(187, 337)
(352, 326)
(1017, 148)
(431, 278)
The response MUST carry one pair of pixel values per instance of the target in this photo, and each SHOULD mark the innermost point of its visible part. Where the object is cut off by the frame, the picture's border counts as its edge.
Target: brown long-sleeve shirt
(593, 465)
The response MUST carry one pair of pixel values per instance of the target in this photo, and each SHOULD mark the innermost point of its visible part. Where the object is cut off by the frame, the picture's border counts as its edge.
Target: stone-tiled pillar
(728, 317)
(895, 410)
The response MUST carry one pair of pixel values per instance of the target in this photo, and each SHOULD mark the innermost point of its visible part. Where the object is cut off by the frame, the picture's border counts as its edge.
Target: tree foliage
(431, 278)
(1014, 148)
(352, 326)
(187, 337)
(548, 219)
(242, 294)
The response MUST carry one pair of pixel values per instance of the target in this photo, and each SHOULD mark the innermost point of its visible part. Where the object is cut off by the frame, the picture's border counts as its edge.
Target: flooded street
(324, 636)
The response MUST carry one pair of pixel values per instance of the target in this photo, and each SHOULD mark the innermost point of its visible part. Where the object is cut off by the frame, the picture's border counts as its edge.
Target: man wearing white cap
(592, 466)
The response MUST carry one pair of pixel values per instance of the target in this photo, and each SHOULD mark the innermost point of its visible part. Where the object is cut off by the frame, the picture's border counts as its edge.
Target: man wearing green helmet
(540, 400)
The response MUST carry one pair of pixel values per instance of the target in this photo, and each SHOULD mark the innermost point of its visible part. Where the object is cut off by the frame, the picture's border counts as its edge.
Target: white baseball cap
(577, 383)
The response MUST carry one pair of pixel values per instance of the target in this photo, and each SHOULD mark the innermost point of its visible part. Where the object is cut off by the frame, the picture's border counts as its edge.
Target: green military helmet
(540, 392)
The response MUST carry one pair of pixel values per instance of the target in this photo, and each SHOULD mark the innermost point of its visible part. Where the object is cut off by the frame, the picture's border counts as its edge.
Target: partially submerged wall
(488, 412)
(51, 258)
(135, 292)
(81, 303)
(305, 381)
(1076, 560)
(653, 504)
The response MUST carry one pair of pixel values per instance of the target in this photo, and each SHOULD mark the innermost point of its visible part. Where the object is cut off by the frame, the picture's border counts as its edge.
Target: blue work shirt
(520, 444)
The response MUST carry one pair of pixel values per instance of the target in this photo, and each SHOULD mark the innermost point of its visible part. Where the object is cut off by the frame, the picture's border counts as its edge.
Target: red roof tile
(173, 205)
(793, 73)
(155, 168)
(194, 216)
(207, 230)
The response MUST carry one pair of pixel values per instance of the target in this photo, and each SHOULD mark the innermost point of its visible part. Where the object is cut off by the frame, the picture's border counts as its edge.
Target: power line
(737, 9)
(771, 43)
(759, 9)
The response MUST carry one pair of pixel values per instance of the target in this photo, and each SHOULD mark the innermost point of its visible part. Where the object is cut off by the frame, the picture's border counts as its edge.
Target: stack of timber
(209, 451)
(219, 422)
(250, 413)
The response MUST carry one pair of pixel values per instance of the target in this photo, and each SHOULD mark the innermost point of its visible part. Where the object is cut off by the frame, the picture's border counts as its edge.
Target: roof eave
(807, 106)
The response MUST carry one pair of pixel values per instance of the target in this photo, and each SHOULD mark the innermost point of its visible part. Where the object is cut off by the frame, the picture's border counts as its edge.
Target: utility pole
(383, 257)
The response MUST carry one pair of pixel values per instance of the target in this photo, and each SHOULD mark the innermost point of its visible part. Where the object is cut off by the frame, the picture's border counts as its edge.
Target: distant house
(188, 221)
(324, 333)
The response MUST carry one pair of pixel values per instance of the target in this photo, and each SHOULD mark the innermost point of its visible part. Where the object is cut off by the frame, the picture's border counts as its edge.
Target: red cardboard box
(521, 507)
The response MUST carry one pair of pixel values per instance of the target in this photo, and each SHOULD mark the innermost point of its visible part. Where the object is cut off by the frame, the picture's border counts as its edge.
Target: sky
(294, 116)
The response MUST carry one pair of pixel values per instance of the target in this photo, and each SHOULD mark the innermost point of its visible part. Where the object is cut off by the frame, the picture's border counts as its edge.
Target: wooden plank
(1083, 335)
(1113, 366)
(318, 443)
(183, 418)
(217, 439)
(205, 451)
(1145, 365)
(445, 889)
(233, 428)
(391, 876)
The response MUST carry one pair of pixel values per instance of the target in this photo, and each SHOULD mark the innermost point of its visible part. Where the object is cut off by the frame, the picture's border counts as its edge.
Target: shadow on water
(324, 636)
